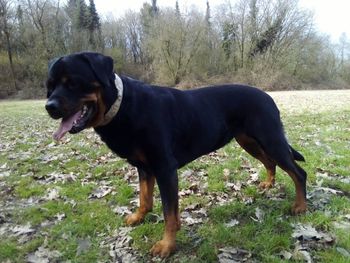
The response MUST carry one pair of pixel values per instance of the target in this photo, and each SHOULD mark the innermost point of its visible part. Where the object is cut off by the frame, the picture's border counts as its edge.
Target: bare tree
(6, 15)
(133, 31)
(37, 10)
(175, 42)
(344, 45)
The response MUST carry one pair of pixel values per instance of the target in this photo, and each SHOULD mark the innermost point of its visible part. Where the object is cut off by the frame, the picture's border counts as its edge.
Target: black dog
(159, 129)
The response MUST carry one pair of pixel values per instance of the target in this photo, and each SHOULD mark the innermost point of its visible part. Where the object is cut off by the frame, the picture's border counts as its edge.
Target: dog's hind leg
(251, 146)
(298, 175)
(276, 147)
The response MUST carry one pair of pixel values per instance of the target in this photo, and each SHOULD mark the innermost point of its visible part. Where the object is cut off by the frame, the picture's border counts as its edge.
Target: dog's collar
(116, 105)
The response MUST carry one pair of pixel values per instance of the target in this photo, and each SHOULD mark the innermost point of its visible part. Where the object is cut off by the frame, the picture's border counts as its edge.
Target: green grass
(28, 157)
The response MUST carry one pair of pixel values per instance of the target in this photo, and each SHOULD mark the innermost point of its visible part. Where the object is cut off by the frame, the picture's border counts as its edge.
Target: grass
(82, 164)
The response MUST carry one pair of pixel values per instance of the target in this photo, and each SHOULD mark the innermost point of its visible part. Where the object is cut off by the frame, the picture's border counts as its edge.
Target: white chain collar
(116, 105)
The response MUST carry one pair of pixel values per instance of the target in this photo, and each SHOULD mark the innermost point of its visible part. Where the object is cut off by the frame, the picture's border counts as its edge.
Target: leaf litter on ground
(196, 179)
(119, 245)
(307, 239)
(234, 255)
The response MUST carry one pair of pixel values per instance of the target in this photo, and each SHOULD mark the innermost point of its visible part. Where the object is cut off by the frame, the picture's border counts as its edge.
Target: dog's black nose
(53, 108)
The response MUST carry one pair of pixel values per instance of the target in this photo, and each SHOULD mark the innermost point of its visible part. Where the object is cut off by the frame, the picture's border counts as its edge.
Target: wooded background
(272, 44)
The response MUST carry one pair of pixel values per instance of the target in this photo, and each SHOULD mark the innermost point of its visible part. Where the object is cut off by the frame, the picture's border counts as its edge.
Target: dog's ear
(101, 65)
(51, 63)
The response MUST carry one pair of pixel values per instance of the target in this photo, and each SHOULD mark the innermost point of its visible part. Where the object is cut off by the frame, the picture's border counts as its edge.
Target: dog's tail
(296, 155)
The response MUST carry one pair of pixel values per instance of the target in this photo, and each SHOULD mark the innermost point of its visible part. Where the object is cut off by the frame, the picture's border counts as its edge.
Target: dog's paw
(134, 219)
(163, 248)
(266, 185)
(299, 208)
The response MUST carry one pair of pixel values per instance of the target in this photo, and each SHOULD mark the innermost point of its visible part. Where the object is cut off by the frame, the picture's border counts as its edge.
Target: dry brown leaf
(232, 255)
(43, 255)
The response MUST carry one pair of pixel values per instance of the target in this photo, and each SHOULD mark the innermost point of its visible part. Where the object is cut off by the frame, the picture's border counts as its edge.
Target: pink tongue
(65, 126)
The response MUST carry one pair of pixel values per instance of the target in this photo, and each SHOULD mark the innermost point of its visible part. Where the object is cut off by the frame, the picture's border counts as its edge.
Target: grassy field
(66, 201)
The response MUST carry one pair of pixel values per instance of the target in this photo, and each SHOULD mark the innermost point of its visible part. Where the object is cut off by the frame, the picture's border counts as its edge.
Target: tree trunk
(9, 53)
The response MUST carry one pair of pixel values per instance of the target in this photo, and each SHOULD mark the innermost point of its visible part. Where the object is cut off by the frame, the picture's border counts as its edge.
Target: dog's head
(78, 91)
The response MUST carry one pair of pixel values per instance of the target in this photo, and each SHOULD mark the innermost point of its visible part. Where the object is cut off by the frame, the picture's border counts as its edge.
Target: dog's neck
(113, 110)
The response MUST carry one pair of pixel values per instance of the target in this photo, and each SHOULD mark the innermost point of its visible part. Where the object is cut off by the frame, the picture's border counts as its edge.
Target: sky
(331, 17)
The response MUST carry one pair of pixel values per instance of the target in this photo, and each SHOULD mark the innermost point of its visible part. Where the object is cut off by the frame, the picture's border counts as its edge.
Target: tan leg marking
(299, 205)
(251, 146)
(146, 201)
(270, 181)
(167, 245)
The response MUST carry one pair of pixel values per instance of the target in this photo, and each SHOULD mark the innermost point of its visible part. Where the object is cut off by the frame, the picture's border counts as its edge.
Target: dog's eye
(72, 86)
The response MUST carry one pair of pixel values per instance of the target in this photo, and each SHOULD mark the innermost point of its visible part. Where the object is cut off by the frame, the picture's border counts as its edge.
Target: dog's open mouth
(74, 123)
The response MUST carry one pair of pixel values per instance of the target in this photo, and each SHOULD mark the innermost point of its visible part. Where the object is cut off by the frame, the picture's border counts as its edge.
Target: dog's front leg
(168, 187)
(146, 182)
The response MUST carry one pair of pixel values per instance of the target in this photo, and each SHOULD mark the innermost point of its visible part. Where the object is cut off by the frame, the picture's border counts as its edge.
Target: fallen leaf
(232, 223)
(285, 255)
(189, 220)
(234, 186)
(120, 249)
(247, 200)
(321, 196)
(305, 232)
(59, 216)
(100, 192)
(259, 215)
(52, 194)
(232, 255)
(122, 210)
(22, 230)
(254, 178)
(310, 237)
(192, 207)
(201, 212)
(185, 192)
(43, 255)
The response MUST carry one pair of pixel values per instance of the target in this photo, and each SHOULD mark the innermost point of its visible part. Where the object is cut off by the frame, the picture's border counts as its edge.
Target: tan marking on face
(95, 84)
(96, 98)
(64, 79)
(92, 97)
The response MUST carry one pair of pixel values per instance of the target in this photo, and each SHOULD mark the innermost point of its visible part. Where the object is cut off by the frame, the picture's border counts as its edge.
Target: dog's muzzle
(53, 108)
